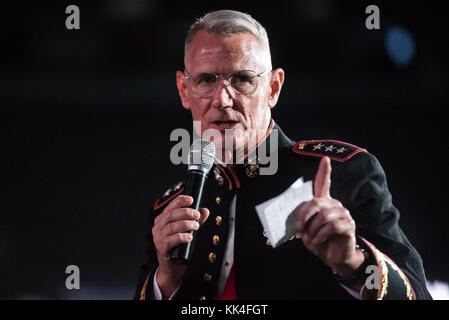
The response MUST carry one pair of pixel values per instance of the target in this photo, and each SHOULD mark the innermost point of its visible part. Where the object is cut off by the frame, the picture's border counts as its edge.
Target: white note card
(276, 214)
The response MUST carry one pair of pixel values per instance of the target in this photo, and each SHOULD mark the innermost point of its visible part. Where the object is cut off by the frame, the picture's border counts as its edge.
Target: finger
(180, 226)
(331, 229)
(204, 215)
(322, 183)
(324, 216)
(306, 210)
(305, 214)
(179, 201)
(176, 239)
(183, 214)
(176, 215)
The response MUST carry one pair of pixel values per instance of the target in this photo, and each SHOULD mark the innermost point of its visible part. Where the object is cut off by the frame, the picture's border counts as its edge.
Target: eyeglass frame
(225, 76)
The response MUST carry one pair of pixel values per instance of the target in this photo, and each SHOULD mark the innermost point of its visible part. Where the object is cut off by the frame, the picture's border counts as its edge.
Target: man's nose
(223, 97)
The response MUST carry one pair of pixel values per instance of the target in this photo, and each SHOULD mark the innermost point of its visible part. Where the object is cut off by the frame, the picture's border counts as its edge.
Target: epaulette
(169, 194)
(336, 150)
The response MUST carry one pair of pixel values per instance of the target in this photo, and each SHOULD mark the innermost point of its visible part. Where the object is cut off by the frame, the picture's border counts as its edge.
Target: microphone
(200, 161)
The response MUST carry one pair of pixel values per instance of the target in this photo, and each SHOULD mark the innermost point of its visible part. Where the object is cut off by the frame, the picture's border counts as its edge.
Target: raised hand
(327, 227)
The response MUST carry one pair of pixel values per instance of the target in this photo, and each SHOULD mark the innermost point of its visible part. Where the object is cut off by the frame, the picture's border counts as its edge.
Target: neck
(239, 155)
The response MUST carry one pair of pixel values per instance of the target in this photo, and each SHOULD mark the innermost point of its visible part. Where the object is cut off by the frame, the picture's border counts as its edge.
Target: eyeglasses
(244, 82)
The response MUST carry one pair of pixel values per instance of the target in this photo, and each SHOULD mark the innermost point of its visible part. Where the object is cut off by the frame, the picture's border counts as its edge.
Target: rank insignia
(252, 169)
(169, 195)
(218, 176)
(336, 150)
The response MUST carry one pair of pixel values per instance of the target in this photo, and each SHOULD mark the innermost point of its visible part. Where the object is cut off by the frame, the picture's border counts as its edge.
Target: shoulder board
(336, 150)
(169, 195)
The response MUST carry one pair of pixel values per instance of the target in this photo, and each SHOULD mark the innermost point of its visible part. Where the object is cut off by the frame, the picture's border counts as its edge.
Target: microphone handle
(194, 187)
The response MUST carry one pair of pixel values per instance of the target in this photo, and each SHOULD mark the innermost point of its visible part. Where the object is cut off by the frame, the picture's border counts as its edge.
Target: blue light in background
(400, 46)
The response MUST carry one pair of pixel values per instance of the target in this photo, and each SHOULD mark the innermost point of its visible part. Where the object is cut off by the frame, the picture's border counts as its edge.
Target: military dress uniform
(290, 271)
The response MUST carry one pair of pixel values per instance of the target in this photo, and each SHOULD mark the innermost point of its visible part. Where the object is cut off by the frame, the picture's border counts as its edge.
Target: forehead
(217, 53)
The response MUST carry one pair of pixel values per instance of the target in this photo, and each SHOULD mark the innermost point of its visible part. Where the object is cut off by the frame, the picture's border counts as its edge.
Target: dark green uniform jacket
(290, 271)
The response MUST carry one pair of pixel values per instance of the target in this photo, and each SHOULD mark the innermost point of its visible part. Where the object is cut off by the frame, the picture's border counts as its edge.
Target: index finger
(179, 202)
(322, 183)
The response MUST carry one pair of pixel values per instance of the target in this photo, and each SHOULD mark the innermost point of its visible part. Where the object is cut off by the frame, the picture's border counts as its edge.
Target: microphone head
(201, 155)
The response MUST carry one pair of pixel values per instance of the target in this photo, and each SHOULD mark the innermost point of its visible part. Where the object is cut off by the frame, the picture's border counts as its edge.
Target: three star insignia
(169, 194)
(336, 150)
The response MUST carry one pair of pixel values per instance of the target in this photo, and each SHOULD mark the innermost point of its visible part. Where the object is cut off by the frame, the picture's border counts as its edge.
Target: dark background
(86, 117)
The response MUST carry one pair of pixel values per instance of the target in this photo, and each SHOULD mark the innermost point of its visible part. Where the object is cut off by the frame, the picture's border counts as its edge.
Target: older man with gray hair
(350, 226)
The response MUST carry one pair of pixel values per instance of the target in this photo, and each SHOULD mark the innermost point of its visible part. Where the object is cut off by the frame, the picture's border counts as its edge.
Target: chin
(225, 146)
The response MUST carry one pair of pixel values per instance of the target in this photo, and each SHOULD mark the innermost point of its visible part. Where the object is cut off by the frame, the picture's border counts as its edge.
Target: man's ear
(182, 89)
(277, 80)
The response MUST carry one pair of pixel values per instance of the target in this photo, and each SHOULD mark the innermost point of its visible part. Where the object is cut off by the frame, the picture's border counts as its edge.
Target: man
(350, 224)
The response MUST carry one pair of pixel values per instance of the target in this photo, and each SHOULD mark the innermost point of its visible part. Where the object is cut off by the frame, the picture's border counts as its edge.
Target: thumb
(322, 182)
(204, 215)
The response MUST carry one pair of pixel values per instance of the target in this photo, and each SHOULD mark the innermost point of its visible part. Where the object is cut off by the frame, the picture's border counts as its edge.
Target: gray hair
(227, 23)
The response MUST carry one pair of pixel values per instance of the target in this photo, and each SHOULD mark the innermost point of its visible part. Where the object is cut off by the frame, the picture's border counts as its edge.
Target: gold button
(218, 177)
(215, 240)
(212, 257)
(301, 145)
(252, 170)
(207, 277)
(268, 243)
(218, 200)
(203, 298)
(218, 220)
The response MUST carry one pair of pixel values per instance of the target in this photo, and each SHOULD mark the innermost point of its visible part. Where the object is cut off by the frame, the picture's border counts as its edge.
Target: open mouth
(228, 124)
